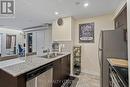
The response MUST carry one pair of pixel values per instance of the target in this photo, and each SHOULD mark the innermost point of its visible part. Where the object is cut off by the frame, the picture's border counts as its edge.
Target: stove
(121, 76)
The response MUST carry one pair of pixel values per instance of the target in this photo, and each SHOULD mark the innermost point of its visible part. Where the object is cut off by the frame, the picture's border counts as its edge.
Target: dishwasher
(40, 77)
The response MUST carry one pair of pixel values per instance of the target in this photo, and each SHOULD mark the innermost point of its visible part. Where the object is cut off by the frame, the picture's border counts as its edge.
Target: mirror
(38, 40)
(12, 43)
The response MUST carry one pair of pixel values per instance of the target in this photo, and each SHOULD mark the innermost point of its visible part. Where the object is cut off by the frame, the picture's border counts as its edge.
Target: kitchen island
(15, 75)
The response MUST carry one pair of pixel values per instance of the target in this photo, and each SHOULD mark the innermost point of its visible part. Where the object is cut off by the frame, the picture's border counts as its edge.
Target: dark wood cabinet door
(66, 67)
(57, 73)
(121, 20)
(7, 80)
(68, 64)
(61, 71)
(125, 18)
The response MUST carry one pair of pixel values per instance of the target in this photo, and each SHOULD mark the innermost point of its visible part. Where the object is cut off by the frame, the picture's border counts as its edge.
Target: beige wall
(128, 18)
(90, 62)
(64, 31)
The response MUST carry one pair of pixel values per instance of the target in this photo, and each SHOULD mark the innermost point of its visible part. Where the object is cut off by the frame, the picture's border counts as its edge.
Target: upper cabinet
(121, 19)
(62, 29)
(39, 40)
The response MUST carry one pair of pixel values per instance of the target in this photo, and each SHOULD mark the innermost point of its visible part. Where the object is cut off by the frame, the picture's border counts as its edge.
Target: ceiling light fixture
(77, 3)
(56, 13)
(85, 4)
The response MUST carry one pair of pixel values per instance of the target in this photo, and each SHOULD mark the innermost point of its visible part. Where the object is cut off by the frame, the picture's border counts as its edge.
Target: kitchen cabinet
(47, 37)
(65, 61)
(121, 19)
(7, 80)
(41, 39)
(64, 31)
(61, 70)
(57, 73)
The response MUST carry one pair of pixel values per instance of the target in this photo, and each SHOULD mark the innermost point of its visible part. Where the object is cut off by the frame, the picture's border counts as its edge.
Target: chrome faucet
(46, 51)
(61, 47)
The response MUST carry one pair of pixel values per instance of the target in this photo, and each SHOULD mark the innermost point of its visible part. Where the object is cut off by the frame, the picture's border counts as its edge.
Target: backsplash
(68, 45)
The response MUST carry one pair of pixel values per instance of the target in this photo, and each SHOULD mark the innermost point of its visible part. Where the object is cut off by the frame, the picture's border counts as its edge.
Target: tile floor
(87, 80)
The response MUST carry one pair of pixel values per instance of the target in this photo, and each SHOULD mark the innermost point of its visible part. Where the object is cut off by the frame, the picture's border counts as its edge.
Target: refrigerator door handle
(100, 49)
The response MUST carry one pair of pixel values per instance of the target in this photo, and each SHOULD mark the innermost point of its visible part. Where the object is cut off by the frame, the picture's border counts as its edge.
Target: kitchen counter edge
(19, 69)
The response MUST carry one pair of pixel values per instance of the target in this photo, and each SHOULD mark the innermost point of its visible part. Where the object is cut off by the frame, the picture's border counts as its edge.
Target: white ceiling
(36, 12)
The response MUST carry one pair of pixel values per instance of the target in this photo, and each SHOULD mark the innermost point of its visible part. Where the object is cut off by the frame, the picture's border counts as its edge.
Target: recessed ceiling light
(77, 3)
(85, 4)
(56, 13)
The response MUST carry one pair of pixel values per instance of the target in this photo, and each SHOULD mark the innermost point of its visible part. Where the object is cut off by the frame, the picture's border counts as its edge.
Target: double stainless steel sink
(51, 55)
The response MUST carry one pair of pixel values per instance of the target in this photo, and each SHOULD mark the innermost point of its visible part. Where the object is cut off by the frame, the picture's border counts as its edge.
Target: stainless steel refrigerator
(111, 44)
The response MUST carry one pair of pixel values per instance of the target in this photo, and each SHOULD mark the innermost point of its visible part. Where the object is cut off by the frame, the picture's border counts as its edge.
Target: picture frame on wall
(86, 33)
